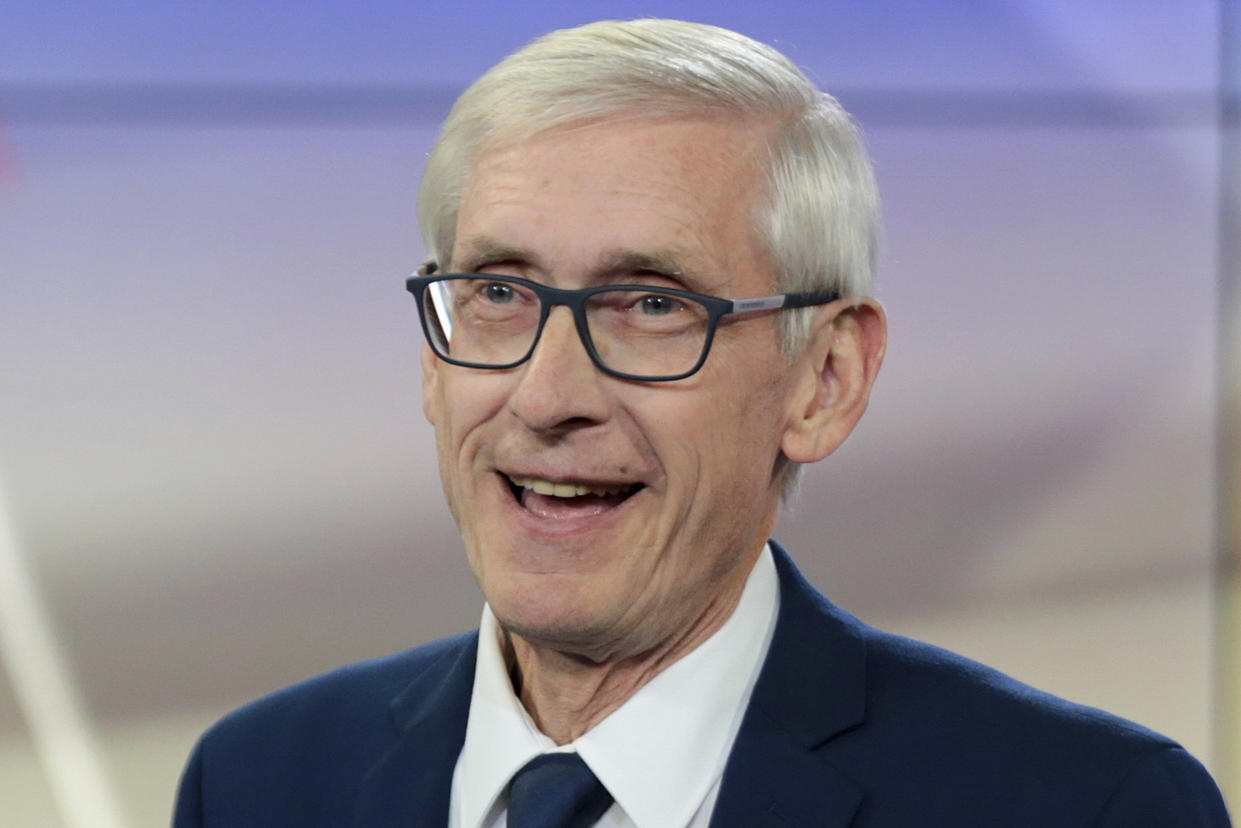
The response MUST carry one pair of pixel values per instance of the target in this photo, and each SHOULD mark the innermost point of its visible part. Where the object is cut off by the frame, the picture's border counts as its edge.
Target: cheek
(719, 451)
(467, 400)
(463, 407)
(744, 428)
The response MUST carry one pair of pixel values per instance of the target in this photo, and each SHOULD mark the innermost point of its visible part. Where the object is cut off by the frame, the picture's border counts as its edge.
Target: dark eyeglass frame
(575, 300)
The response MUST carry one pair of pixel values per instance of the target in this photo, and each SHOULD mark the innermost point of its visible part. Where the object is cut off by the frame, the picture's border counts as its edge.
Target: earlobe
(430, 383)
(833, 378)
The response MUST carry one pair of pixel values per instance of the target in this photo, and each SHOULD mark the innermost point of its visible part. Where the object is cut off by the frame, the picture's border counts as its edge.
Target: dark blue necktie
(556, 790)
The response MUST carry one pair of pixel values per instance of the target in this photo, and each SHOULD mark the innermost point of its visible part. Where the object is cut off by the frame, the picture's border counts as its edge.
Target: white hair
(820, 217)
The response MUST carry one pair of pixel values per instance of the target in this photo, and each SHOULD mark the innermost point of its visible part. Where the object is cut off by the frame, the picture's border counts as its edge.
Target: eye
(499, 293)
(655, 304)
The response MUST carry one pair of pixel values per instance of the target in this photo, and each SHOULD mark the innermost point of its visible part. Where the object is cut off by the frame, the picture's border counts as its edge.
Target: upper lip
(588, 481)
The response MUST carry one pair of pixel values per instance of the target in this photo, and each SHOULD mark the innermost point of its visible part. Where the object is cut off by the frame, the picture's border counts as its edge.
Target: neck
(567, 694)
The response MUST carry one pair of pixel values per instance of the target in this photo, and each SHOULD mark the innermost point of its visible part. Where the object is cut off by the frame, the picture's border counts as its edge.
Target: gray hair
(820, 218)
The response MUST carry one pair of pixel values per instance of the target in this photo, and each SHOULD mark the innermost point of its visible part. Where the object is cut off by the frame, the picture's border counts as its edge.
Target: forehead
(683, 191)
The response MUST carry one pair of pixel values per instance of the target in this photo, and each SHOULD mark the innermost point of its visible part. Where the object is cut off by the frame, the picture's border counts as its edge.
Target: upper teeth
(547, 487)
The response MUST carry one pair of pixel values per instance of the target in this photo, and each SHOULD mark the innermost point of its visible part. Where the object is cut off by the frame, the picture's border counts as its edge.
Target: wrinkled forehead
(717, 157)
(641, 188)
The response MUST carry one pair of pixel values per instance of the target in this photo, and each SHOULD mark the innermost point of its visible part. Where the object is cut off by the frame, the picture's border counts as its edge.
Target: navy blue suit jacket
(848, 726)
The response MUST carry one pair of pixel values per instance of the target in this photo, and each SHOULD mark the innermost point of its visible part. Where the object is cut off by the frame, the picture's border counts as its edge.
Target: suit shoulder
(300, 755)
(940, 729)
(928, 681)
(962, 725)
(930, 737)
(351, 697)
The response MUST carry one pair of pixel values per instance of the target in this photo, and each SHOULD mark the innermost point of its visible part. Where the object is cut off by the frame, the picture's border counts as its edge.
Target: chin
(554, 620)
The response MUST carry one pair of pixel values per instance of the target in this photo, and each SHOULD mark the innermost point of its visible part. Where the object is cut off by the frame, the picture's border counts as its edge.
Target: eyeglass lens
(634, 331)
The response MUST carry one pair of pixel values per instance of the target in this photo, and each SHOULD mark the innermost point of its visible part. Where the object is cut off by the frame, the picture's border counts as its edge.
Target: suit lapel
(812, 687)
(772, 780)
(411, 784)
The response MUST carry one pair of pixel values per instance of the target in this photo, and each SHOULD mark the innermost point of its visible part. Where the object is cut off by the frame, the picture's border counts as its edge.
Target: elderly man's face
(686, 467)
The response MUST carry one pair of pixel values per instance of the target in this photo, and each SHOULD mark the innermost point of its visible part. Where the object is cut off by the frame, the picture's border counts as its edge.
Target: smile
(559, 500)
(548, 487)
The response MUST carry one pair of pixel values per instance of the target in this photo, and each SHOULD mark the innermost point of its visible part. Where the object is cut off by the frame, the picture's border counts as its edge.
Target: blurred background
(216, 479)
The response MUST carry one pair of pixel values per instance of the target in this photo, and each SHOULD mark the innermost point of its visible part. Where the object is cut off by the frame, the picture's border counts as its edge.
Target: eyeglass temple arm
(784, 300)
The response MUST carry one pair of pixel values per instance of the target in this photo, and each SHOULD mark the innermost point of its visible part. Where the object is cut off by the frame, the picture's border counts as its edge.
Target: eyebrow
(481, 251)
(667, 263)
(661, 261)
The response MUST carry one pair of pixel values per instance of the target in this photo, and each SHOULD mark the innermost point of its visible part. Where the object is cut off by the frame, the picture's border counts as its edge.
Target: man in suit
(651, 247)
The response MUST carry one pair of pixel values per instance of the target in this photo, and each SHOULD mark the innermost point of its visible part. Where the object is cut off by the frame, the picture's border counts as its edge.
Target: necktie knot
(556, 790)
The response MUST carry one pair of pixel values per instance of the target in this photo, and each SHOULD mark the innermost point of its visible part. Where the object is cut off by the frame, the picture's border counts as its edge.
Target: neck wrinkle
(566, 695)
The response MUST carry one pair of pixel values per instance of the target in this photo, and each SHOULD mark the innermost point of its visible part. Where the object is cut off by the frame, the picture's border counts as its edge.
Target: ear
(430, 384)
(833, 376)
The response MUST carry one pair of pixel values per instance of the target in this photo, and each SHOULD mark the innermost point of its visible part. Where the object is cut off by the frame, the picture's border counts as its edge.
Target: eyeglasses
(635, 332)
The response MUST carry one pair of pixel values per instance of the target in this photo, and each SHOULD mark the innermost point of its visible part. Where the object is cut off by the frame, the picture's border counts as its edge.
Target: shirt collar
(500, 736)
(659, 753)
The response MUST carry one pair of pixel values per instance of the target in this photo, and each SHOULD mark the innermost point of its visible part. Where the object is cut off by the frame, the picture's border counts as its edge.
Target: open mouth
(561, 500)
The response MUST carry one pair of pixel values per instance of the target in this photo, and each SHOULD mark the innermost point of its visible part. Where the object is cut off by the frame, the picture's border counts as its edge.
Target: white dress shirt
(661, 754)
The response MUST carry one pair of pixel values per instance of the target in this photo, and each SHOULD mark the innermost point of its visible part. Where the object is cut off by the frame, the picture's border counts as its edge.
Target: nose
(559, 388)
